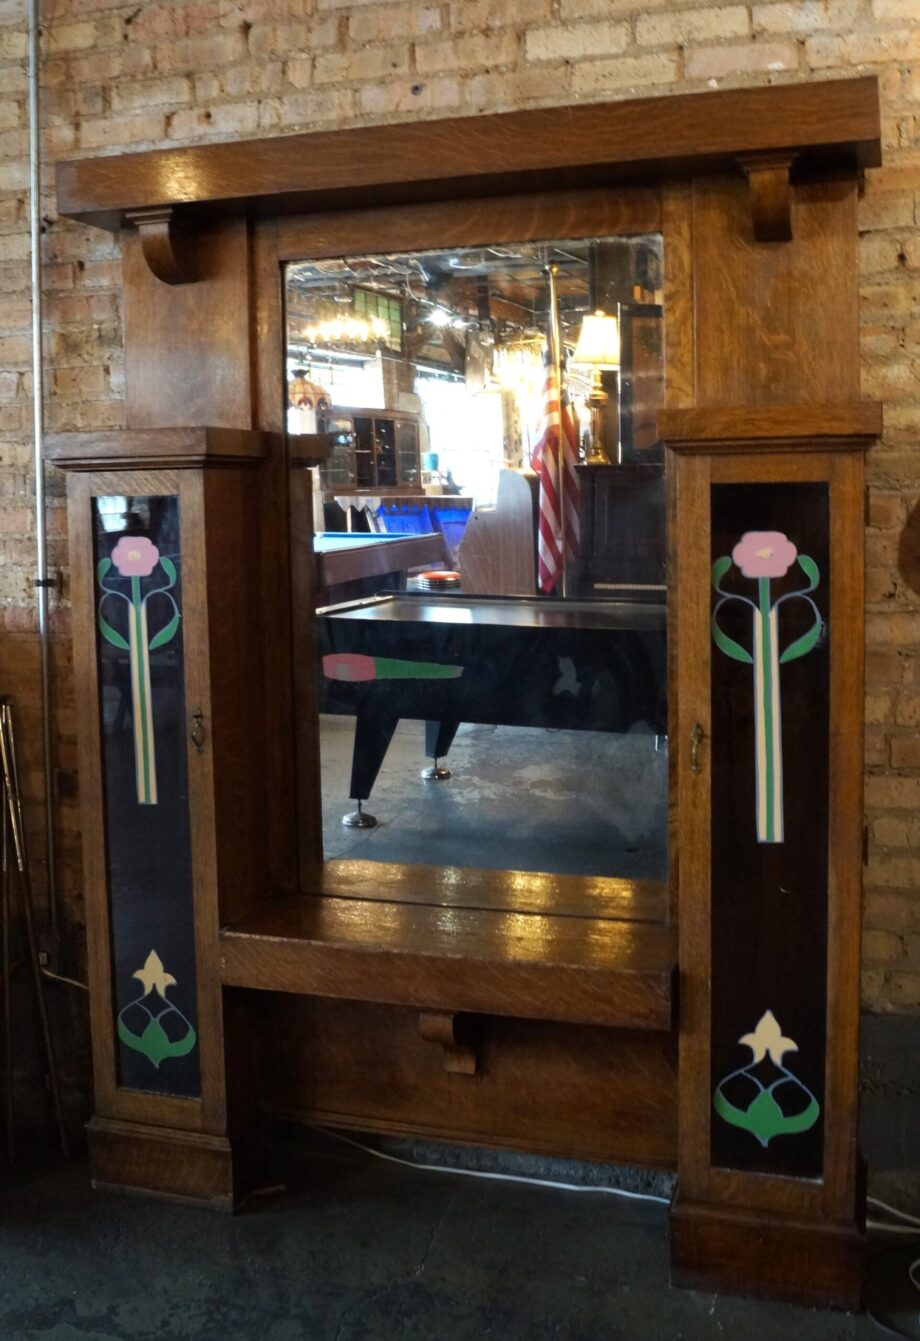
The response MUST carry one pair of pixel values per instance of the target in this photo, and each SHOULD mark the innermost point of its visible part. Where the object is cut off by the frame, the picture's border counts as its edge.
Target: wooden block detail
(166, 244)
(773, 1255)
(771, 195)
(185, 1165)
(444, 1028)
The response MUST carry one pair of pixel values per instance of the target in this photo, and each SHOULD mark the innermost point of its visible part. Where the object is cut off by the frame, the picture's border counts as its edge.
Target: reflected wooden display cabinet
(244, 978)
(373, 450)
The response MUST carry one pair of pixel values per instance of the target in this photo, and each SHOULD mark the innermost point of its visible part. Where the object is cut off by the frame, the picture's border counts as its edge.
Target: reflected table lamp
(598, 348)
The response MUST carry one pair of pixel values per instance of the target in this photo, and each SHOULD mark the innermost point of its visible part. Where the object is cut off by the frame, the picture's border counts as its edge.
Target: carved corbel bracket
(442, 1027)
(166, 243)
(771, 195)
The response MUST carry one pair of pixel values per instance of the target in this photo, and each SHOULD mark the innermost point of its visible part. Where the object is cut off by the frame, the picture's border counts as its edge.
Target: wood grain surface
(851, 426)
(578, 1091)
(181, 1165)
(602, 897)
(804, 1261)
(833, 122)
(776, 323)
(172, 448)
(454, 958)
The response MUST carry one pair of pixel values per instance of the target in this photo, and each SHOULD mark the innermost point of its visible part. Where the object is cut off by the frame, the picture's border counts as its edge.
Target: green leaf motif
(802, 645)
(102, 568)
(169, 568)
(719, 569)
(111, 635)
(166, 634)
(764, 1118)
(810, 569)
(729, 646)
(154, 1043)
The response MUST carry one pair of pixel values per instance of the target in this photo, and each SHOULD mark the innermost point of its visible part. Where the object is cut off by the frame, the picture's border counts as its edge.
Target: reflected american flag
(553, 457)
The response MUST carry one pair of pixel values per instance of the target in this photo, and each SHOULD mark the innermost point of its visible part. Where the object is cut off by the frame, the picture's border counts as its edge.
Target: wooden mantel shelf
(822, 125)
(718, 428)
(402, 936)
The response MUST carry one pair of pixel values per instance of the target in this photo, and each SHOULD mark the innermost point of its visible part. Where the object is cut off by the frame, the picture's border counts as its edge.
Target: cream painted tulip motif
(151, 1024)
(765, 1097)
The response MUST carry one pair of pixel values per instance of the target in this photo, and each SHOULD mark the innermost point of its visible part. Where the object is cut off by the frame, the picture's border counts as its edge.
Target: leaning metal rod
(7, 970)
(42, 580)
(555, 353)
(14, 804)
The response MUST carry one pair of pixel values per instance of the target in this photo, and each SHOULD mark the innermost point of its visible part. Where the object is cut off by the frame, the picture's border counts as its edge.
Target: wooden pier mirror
(704, 1021)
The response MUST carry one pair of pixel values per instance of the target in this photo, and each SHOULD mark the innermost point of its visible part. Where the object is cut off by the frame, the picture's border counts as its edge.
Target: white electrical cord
(494, 1177)
(893, 1210)
(912, 1225)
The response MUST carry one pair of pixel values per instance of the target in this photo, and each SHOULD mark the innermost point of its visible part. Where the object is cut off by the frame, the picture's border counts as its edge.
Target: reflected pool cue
(14, 806)
(7, 971)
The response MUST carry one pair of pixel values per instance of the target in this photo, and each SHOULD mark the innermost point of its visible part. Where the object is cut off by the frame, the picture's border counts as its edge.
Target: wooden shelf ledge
(580, 963)
(826, 125)
(717, 428)
(166, 448)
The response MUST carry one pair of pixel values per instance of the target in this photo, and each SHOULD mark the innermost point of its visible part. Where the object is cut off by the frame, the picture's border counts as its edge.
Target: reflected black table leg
(373, 734)
(439, 736)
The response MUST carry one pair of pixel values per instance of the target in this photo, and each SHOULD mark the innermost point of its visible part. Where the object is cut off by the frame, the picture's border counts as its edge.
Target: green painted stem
(766, 701)
(140, 674)
(767, 723)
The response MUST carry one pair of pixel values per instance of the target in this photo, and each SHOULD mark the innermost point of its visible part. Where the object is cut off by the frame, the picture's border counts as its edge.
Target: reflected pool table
(576, 665)
(352, 564)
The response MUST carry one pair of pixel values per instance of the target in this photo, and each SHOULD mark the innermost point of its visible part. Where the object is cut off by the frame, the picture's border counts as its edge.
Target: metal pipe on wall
(42, 580)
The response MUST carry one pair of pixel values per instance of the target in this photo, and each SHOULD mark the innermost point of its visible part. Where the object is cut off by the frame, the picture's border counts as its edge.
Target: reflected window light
(112, 512)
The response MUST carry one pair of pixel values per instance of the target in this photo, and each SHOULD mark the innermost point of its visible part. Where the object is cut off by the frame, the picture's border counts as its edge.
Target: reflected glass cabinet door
(407, 451)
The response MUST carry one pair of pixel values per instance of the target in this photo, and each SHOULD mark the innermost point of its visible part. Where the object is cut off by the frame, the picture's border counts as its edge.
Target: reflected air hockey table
(572, 665)
(350, 564)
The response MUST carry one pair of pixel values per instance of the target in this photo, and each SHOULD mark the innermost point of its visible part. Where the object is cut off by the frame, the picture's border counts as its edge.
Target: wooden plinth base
(778, 1257)
(161, 1161)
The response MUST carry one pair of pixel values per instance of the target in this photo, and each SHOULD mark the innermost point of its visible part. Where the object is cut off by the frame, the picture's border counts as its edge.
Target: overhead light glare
(346, 330)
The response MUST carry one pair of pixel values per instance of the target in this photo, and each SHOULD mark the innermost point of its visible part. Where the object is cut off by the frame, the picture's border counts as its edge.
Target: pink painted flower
(764, 554)
(135, 556)
(349, 666)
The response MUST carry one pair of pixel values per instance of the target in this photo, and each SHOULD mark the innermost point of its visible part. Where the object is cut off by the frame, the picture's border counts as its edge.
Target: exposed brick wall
(146, 74)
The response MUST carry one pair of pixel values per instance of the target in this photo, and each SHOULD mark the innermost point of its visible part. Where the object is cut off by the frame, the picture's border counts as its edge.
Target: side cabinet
(164, 566)
(767, 720)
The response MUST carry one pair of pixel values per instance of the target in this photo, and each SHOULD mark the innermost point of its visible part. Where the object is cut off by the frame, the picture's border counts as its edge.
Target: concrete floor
(359, 1250)
(354, 1249)
(573, 802)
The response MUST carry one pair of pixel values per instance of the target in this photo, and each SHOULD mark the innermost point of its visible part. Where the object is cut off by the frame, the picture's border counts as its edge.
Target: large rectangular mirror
(490, 552)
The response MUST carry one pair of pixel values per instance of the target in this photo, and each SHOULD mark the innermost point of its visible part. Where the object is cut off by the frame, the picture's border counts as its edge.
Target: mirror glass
(489, 552)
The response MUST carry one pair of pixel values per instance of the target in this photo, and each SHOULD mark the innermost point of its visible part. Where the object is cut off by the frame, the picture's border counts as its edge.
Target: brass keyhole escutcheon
(197, 731)
(696, 735)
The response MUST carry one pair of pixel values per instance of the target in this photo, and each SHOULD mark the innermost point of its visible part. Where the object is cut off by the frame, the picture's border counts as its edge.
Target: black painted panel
(769, 825)
(138, 571)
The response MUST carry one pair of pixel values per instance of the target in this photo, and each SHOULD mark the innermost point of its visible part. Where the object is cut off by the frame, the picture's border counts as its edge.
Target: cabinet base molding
(744, 1251)
(162, 1161)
